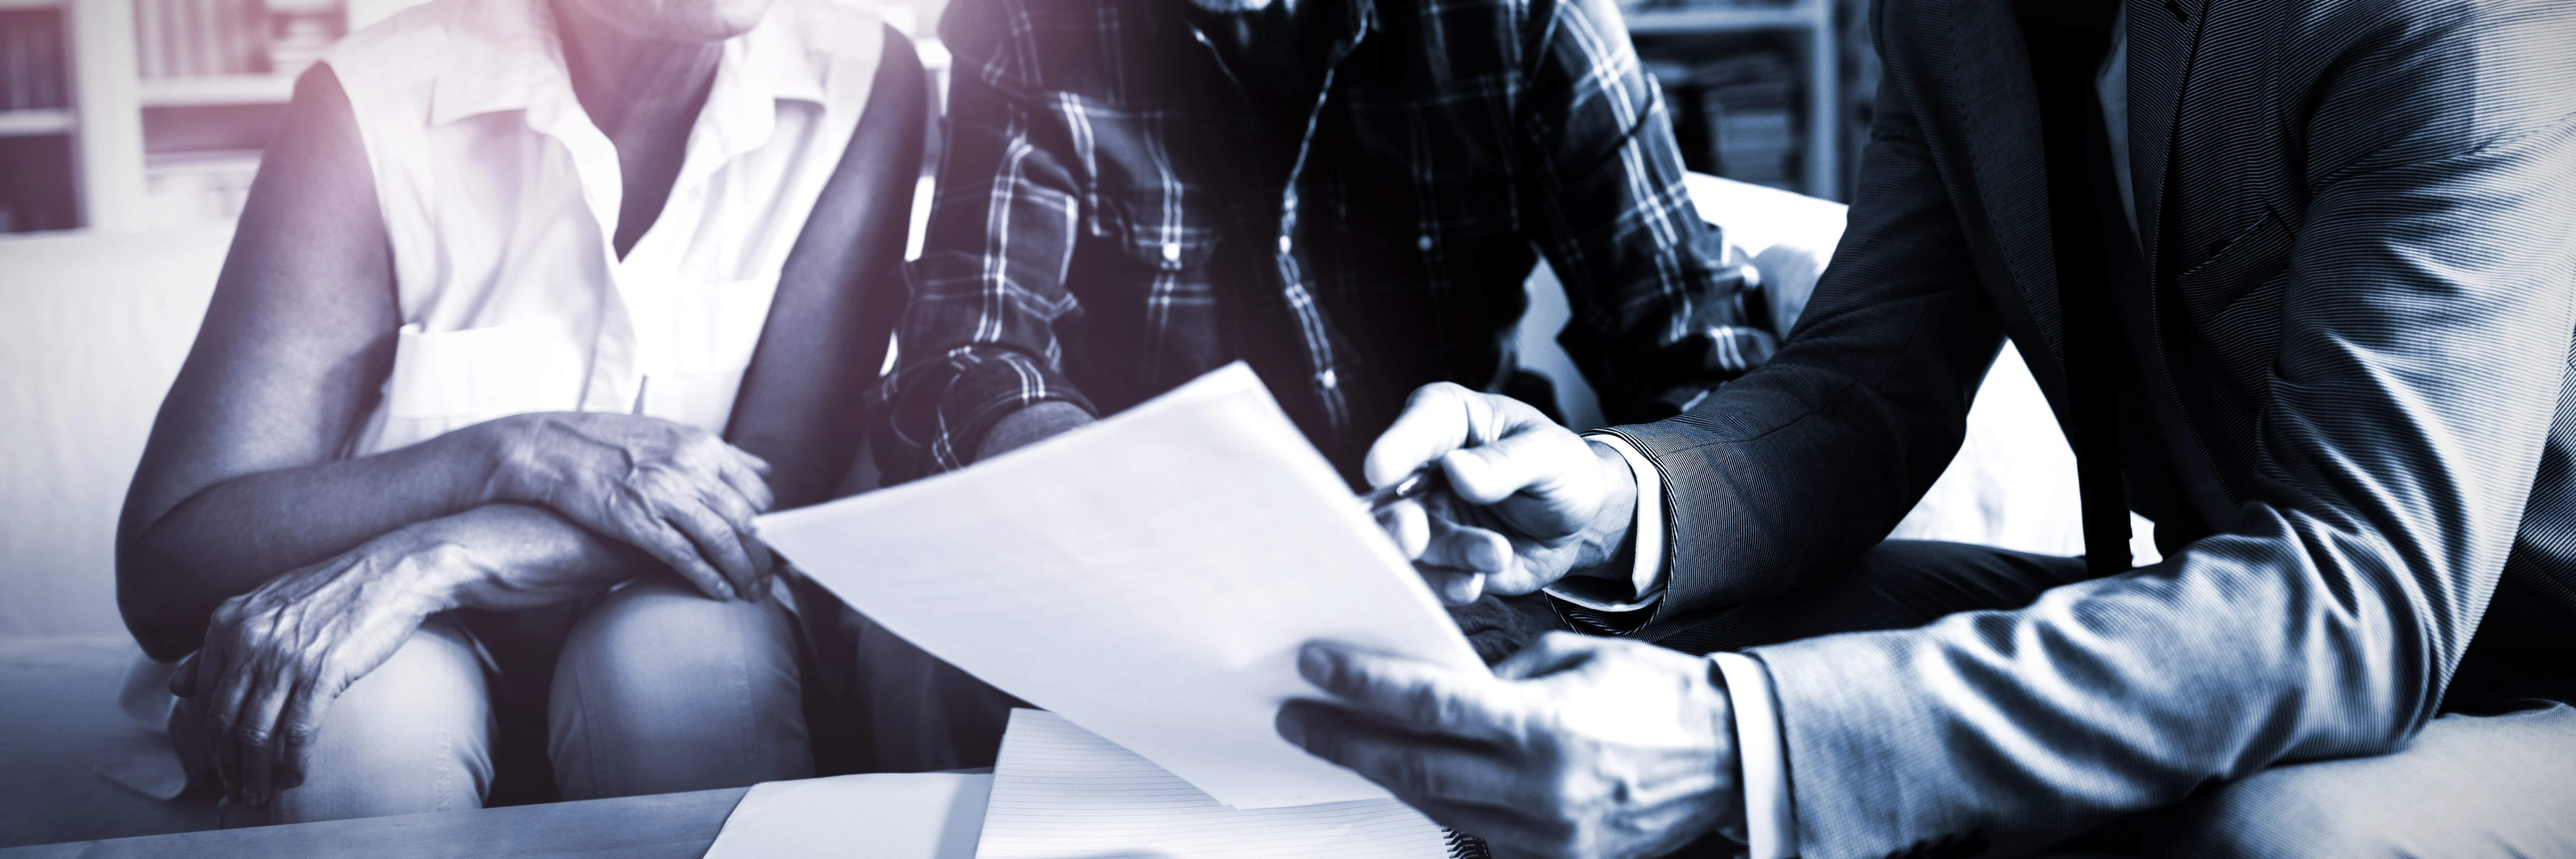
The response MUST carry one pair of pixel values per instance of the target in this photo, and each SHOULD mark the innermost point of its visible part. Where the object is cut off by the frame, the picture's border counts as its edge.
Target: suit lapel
(1999, 106)
(2162, 38)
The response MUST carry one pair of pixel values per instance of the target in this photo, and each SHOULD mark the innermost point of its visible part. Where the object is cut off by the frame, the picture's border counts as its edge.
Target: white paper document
(1060, 792)
(872, 816)
(1150, 577)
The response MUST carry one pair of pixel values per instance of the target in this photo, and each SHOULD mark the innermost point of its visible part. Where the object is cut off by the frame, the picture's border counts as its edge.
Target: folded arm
(296, 342)
(1604, 200)
(246, 474)
(1802, 464)
(979, 340)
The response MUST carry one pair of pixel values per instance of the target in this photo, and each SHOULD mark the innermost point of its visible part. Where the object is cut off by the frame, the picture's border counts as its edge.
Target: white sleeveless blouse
(500, 198)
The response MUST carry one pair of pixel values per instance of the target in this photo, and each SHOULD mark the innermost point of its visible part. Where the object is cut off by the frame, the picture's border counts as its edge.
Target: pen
(1422, 481)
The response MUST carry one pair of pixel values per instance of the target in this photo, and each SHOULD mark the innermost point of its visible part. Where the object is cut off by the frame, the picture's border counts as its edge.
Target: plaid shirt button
(1284, 244)
(1328, 380)
(1171, 251)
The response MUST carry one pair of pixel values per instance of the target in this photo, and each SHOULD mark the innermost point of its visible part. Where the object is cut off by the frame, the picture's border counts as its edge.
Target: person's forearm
(497, 557)
(1032, 425)
(228, 537)
(839, 293)
(521, 556)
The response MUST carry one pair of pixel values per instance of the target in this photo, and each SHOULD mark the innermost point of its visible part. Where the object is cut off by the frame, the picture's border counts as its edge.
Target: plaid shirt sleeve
(978, 338)
(1659, 316)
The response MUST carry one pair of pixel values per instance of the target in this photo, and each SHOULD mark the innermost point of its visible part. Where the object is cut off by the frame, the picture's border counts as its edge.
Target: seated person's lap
(661, 689)
(657, 689)
(2492, 775)
(2501, 784)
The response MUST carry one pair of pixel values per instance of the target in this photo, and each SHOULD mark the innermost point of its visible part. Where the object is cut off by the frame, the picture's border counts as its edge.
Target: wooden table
(668, 826)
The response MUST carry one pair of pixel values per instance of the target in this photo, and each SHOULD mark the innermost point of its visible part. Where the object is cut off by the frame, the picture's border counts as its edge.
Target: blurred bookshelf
(37, 124)
(1760, 91)
(131, 114)
(158, 109)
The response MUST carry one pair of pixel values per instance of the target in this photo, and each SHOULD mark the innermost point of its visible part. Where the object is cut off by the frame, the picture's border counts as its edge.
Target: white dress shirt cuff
(1646, 574)
(1770, 823)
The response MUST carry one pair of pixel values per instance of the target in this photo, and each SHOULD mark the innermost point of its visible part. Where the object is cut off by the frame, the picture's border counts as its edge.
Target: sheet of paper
(1150, 577)
(1060, 792)
(873, 816)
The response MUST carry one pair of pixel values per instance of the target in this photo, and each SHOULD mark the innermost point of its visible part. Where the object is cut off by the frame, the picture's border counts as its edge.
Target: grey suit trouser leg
(2469, 786)
(2499, 782)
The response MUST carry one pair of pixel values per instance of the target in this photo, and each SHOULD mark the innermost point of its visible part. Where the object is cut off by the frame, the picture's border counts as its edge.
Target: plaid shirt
(1117, 214)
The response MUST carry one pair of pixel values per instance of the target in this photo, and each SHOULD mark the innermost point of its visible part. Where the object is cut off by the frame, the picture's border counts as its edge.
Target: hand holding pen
(1483, 492)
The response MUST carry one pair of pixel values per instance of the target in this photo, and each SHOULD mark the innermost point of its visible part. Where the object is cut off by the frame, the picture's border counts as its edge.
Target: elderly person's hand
(674, 491)
(276, 657)
(1528, 500)
(1576, 747)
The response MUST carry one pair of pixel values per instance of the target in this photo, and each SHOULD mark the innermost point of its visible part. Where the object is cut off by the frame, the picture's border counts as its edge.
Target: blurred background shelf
(35, 121)
(141, 114)
(1755, 89)
(214, 90)
(136, 114)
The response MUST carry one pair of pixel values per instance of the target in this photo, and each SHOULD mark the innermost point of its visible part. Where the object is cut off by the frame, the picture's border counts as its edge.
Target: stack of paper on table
(871, 816)
(1060, 792)
(1149, 577)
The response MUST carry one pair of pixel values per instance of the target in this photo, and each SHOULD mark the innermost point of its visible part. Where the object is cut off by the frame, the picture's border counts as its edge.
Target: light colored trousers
(658, 690)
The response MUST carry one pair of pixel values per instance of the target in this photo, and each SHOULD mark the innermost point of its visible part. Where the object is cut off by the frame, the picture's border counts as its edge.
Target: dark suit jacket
(2358, 217)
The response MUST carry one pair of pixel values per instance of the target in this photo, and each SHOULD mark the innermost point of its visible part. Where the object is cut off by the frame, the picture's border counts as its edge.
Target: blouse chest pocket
(715, 329)
(447, 380)
(710, 339)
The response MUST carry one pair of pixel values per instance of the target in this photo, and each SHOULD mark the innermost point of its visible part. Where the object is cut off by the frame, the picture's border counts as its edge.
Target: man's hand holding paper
(1149, 578)
(1576, 746)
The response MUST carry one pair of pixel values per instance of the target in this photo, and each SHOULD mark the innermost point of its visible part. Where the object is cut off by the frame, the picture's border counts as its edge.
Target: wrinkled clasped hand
(1574, 747)
(276, 657)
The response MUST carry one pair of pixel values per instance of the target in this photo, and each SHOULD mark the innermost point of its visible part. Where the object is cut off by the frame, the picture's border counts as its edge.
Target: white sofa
(94, 326)
(2013, 483)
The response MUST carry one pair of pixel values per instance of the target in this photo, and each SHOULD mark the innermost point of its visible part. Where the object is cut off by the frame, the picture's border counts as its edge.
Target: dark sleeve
(978, 342)
(1658, 316)
(1804, 463)
(2424, 333)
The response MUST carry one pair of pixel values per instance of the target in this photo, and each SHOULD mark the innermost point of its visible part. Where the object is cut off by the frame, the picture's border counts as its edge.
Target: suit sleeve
(1804, 463)
(2424, 341)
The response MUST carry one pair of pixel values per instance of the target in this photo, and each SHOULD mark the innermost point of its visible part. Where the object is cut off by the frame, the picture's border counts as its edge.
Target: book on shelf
(36, 190)
(1737, 116)
(31, 60)
(198, 187)
(197, 38)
